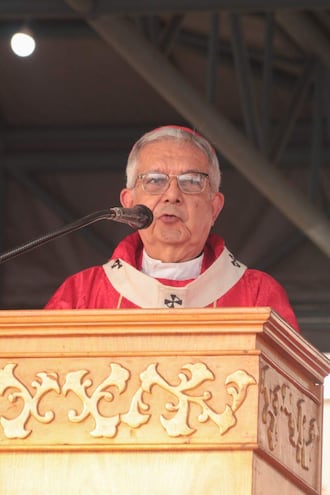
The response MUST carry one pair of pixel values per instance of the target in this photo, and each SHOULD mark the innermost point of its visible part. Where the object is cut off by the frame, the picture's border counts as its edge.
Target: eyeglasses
(188, 183)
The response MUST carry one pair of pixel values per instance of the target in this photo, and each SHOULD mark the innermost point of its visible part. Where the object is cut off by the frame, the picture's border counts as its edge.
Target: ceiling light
(22, 43)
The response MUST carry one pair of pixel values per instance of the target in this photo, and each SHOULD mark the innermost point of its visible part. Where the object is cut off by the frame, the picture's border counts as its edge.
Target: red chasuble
(224, 282)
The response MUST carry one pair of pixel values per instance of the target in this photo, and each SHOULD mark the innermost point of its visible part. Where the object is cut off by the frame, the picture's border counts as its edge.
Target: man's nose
(173, 192)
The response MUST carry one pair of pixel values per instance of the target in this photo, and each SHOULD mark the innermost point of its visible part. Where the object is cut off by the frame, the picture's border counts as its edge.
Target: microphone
(138, 217)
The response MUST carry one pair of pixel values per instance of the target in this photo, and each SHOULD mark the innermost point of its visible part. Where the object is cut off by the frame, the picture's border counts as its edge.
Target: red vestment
(91, 288)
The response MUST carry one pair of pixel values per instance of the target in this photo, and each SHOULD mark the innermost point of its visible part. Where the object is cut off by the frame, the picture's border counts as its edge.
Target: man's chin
(172, 236)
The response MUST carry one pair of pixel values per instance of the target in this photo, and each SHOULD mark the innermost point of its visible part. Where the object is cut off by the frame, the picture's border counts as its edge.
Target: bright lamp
(22, 43)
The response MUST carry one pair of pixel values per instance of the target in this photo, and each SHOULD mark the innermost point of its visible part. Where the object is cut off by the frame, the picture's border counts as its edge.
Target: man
(176, 261)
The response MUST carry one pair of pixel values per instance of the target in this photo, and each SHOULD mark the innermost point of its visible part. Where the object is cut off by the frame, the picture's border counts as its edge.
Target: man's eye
(190, 179)
(154, 180)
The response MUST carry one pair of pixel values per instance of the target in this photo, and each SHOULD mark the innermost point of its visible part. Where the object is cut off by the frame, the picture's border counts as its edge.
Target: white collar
(148, 292)
(185, 270)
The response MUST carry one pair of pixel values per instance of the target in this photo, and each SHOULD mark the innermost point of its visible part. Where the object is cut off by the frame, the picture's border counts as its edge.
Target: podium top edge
(260, 323)
(140, 320)
(136, 313)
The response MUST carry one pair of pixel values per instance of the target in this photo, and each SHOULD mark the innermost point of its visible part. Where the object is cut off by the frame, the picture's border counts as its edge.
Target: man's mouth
(168, 218)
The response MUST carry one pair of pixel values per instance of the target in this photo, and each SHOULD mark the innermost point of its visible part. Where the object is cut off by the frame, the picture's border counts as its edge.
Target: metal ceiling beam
(212, 59)
(71, 138)
(51, 9)
(289, 119)
(306, 33)
(318, 133)
(61, 161)
(169, 34)
(163, 77)
(113, 139)
(245, 81)
(285, 70)
(267, 83)
(94, 160)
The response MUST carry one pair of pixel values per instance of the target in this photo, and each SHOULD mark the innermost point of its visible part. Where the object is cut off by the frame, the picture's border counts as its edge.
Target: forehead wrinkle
(189, 171)
(167, 157)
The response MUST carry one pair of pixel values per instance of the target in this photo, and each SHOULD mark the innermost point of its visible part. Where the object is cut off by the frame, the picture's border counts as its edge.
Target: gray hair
(179, 134)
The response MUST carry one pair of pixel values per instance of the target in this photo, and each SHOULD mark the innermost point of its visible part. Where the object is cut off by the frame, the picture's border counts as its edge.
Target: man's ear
(126, 198)
(218, 201)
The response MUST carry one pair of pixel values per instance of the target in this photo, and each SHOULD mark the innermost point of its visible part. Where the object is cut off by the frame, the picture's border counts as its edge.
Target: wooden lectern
(158, 402)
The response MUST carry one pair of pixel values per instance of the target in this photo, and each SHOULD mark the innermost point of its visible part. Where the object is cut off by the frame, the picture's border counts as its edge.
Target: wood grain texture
(158, 401)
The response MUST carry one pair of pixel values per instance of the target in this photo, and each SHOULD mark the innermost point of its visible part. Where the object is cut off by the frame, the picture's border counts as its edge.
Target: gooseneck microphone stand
(138, 217)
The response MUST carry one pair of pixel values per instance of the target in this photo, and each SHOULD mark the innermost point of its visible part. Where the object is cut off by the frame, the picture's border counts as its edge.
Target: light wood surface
(157, 401)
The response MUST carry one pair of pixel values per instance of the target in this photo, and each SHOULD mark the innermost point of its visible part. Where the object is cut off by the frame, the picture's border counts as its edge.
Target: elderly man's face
(181, 221)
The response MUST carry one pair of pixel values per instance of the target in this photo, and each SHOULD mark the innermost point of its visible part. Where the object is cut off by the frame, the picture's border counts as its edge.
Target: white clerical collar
(184, 270)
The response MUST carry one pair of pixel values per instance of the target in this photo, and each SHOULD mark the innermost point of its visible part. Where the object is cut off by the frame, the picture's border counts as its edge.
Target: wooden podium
(158, 402)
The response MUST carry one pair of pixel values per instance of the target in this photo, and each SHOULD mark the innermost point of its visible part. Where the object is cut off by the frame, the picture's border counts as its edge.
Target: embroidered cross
(170, 303)
(234, 260)
(117, 264)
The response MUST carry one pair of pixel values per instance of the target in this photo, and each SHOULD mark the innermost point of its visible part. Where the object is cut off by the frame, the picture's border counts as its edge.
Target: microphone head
(145, 216)
(138, 217)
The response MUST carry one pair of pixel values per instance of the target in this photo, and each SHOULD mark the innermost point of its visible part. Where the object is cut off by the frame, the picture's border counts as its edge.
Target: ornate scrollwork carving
(236, 384)
(280, 401)
(191, 377)
(46, 382)
(104, 426)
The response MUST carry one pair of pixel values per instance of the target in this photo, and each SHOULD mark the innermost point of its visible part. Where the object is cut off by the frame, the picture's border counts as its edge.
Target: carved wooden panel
(128, 401)
(158, 401)
(290, 424)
